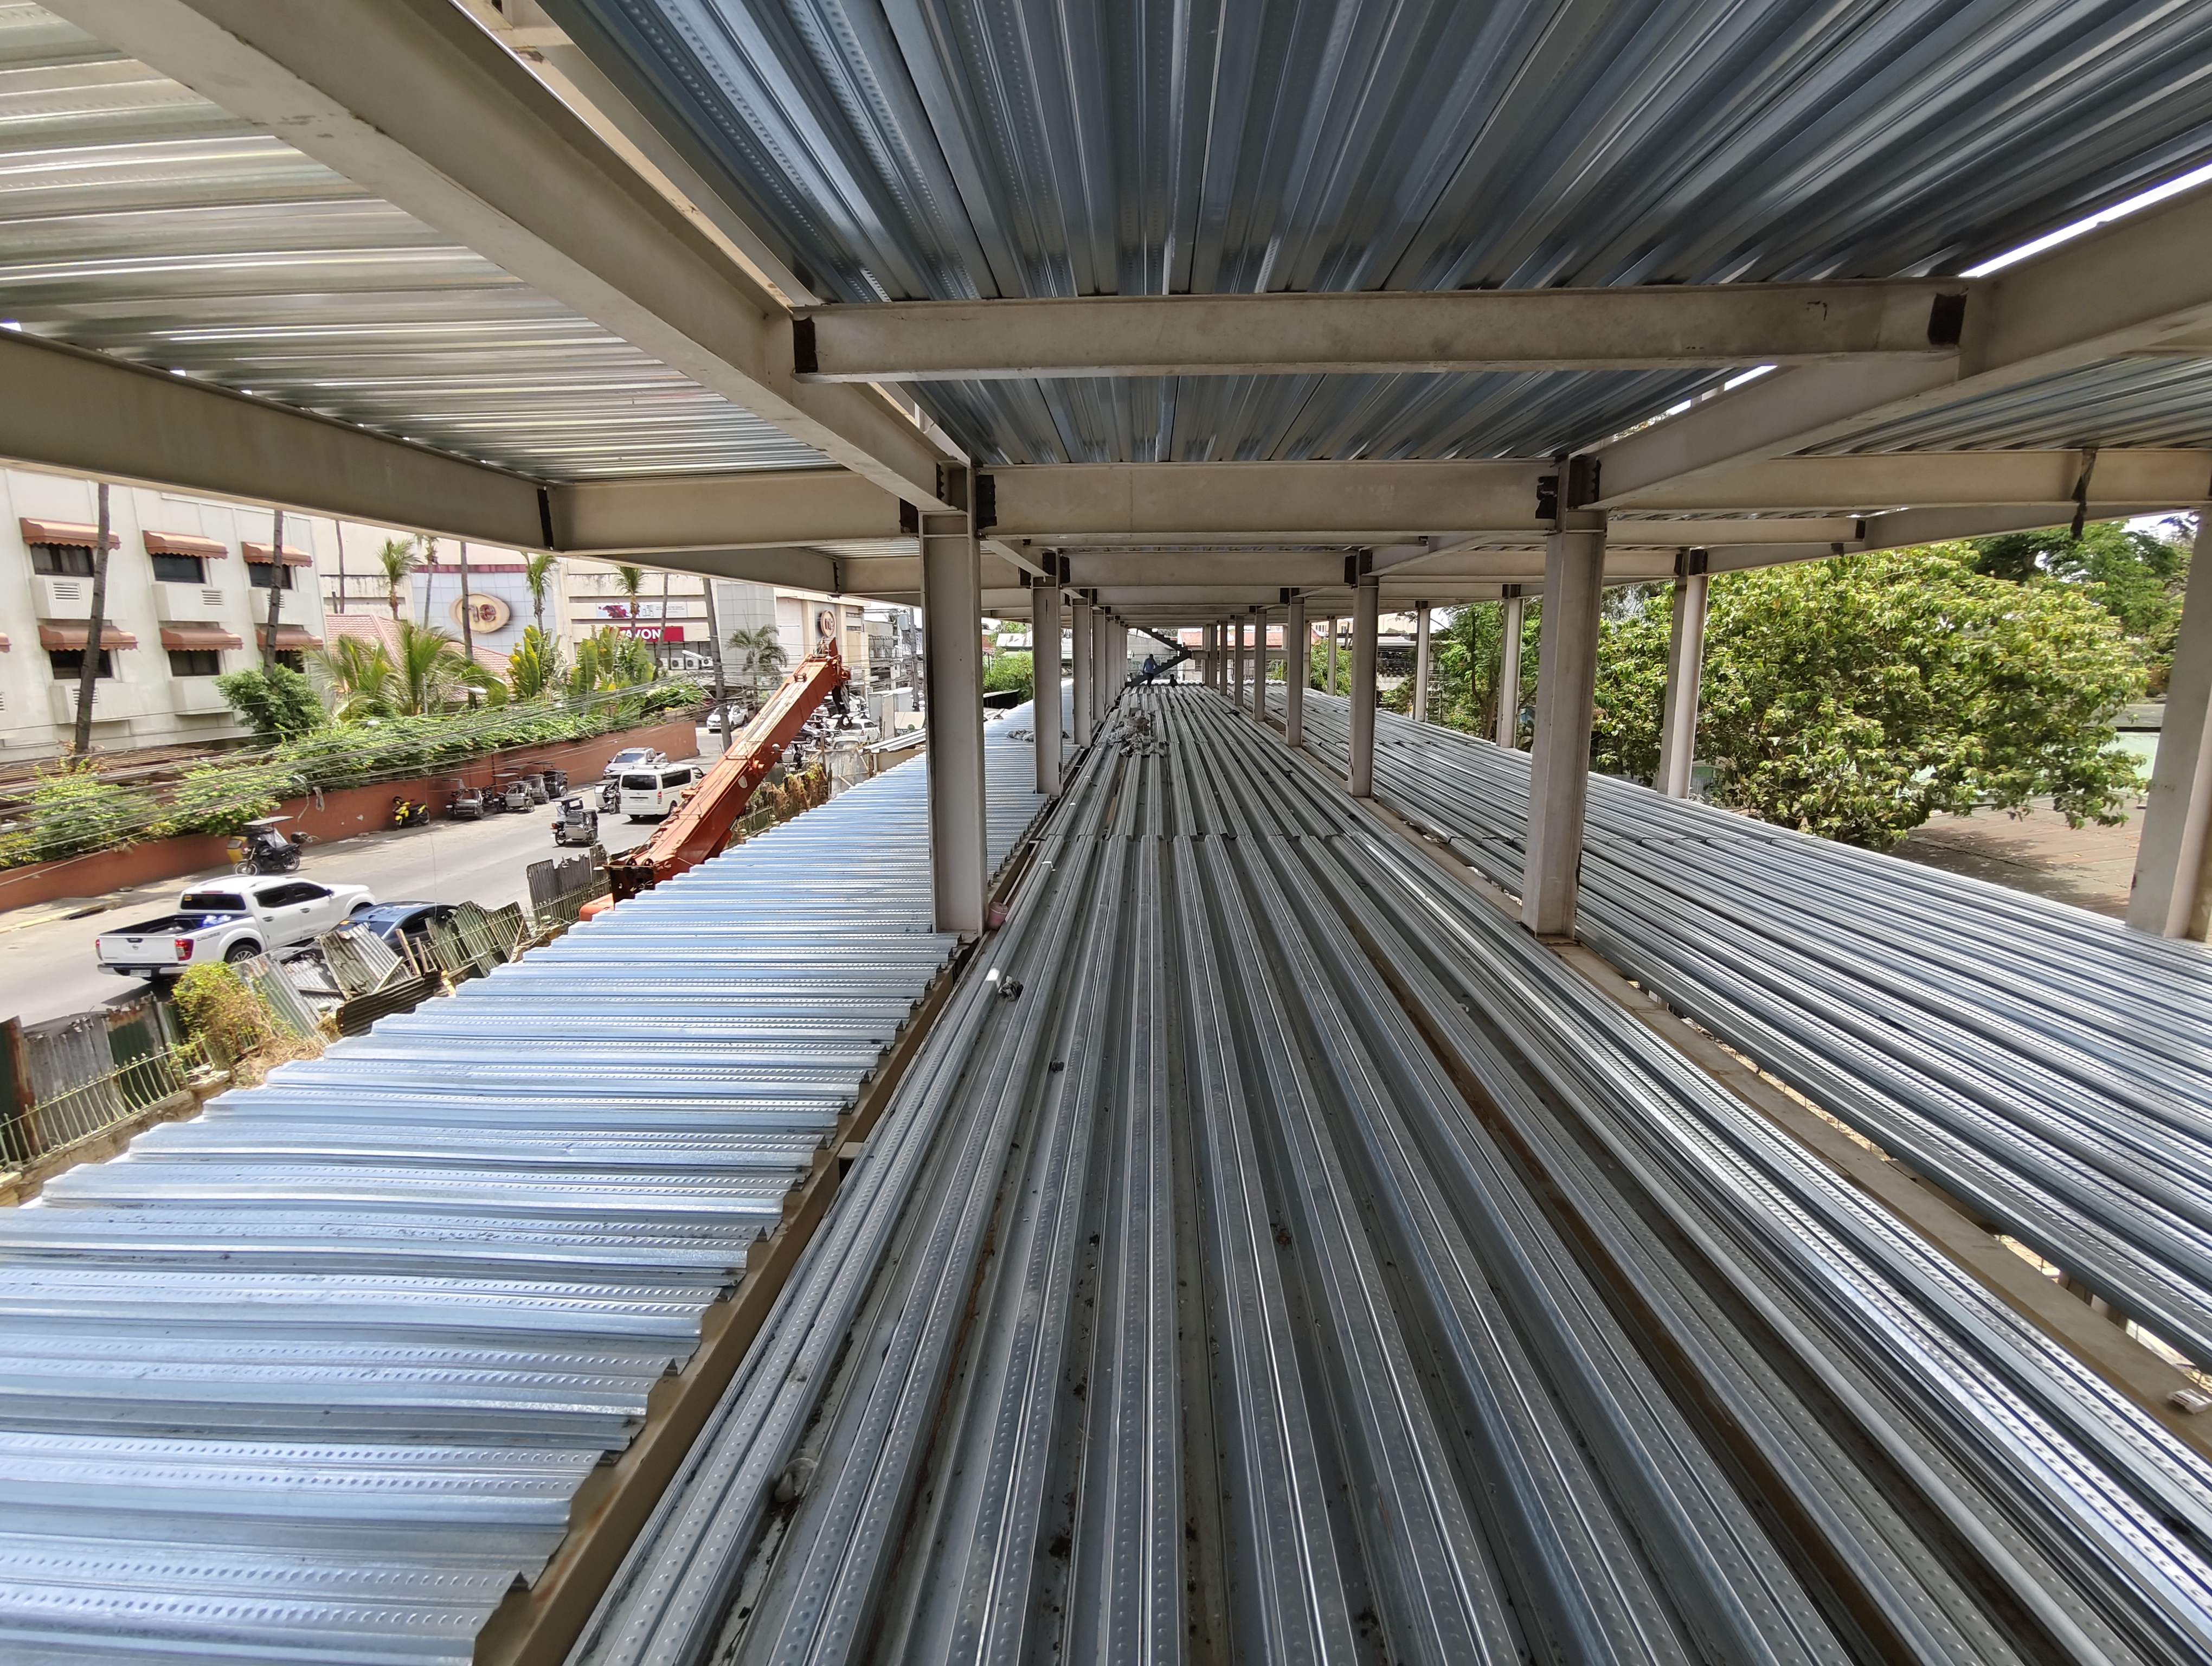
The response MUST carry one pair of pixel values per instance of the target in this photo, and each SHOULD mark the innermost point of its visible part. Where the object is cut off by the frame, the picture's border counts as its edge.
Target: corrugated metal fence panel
(318, 1372)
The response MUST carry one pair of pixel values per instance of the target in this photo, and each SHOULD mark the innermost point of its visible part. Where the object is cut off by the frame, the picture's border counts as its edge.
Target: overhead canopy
(199, 636)
(1738, 240)
(84, 535)
(288, 637)
(69, 635)
(265, 555)
(185, 543)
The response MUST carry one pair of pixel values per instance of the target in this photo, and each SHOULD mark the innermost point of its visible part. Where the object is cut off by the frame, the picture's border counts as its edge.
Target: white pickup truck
(229, 919)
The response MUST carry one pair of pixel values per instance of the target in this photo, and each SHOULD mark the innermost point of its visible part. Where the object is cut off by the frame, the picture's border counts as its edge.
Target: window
(308, 893)
(292, 659)
(212, 902)
(180, 570)
(278, 896)
(676, 778)
(261, 574)
(69, 663)
(195, 662)
(62, 560)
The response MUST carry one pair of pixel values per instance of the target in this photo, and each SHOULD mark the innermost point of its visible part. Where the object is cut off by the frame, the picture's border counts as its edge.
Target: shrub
(1015, 671)
(72, 811)
(219, 1010)
(273, 703)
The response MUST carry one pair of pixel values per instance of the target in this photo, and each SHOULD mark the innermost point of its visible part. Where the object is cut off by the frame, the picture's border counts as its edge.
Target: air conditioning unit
(64, 599)
(188, 603)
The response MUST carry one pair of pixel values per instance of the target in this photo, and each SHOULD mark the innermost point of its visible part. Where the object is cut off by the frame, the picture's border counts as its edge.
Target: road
(47, 970)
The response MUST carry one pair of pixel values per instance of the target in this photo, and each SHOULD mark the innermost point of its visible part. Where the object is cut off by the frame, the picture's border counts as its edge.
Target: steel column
(1079, 621)
(953, 609)
(1297, 668)
(1332, 653)
(1044, 664)
(1566, 692)
(1509, 670)
(1685, 657)
(1420, 662)
(1366, 611)
(2168, 897)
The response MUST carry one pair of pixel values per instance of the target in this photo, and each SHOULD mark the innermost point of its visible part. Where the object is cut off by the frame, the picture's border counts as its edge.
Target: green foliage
(1465, 659)
(1856, 697)
(1012, 670)
(534, 666)
(274, 703)
(219, 1010)
(71, 811)
(2138, 577)
(219, 798)
(537, 574)
(761, 661)
(398, 557)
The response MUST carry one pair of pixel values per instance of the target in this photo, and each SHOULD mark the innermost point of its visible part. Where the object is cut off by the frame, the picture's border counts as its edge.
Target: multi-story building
(188, 590)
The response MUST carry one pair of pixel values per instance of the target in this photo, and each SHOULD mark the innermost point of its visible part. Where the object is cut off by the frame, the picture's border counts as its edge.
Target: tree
(399, 558)
(760, 658)
(433, 674)
(355, 679)
(1856, 697)
(632, 579)
(535, 664)
(87, 681)
(537, 572)
(1013, 672)
(275, 704)
(2135, 576)
(1465, 658)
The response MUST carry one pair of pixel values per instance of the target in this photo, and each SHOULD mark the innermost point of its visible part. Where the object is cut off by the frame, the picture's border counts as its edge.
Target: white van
(650, 794)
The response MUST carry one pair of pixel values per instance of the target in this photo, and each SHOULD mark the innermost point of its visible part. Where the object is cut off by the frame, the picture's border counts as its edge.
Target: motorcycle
(408, 813)
(609, 796)
(262, 847)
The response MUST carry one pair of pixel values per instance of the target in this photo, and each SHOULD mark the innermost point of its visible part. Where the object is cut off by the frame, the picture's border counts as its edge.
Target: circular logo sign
(485, 612)
(825, 624)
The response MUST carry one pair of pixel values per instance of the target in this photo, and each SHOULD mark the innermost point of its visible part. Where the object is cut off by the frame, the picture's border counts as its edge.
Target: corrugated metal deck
(314, 1376)
(1275, 1254)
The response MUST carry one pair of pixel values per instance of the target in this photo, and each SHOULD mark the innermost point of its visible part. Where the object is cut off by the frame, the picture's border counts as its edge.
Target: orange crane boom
(701, 825)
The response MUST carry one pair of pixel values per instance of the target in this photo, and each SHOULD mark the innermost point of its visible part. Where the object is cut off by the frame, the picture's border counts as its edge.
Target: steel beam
(1566, 688)
(1513, 608)
(2140, 285)
(413, 101)
(1382, 333)
(86, 413)
(2124, 479)
(1363, 502)
(1044, 667)
(1686, 656)
(1085, 668)
(1366, 615)
(2169, 894)
(953, 669)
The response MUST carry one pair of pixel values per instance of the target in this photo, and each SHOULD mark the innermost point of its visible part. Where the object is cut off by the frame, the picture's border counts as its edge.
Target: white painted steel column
(1685, 658)
(1420, 662)
(1236, 663)
(1566, 692)
(951, 613)
(1331, 653)
(1366, 613)
(1078, 623)
(1103, 690)
(1044, 662)
(1509, 670)
(1297, 666)
(2168, 897)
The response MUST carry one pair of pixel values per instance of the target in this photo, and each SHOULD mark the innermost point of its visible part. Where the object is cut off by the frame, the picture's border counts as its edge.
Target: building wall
(143, 704)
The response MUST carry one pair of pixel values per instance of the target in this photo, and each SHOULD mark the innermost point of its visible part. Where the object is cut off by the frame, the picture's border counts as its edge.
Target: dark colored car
(390, 920)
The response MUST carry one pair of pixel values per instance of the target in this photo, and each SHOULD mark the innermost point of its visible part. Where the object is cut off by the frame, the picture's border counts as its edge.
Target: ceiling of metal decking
(138, 219)
(957, 148)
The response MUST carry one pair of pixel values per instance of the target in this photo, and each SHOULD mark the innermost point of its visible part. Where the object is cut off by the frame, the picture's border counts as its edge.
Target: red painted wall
(340, 815)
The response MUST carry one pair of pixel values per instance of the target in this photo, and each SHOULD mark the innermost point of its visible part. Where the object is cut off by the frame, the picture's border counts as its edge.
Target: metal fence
(93, 1107)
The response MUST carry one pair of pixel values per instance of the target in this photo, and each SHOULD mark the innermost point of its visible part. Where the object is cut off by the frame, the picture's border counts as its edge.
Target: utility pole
(276, 596)
(88, 680)
(340, 525)
(468, 622)
(721, 705)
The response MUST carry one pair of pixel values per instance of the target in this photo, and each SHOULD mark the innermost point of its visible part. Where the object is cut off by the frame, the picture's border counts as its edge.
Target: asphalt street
(47, 969)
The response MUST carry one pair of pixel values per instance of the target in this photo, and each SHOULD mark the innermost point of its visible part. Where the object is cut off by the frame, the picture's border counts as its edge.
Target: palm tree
(537, 574)
(399, 558)
(433, 674)
(355, 678)
(760, 656)
(632, 579)
(534, 666)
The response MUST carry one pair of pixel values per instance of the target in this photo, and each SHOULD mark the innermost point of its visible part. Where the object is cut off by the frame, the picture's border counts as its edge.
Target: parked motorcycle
(263, 847)
(409, 813)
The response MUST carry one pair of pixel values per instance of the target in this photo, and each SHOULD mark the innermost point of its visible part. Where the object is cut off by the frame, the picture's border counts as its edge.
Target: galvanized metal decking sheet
(2049, 1067)
(315, 1376)
(1273, 1255)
